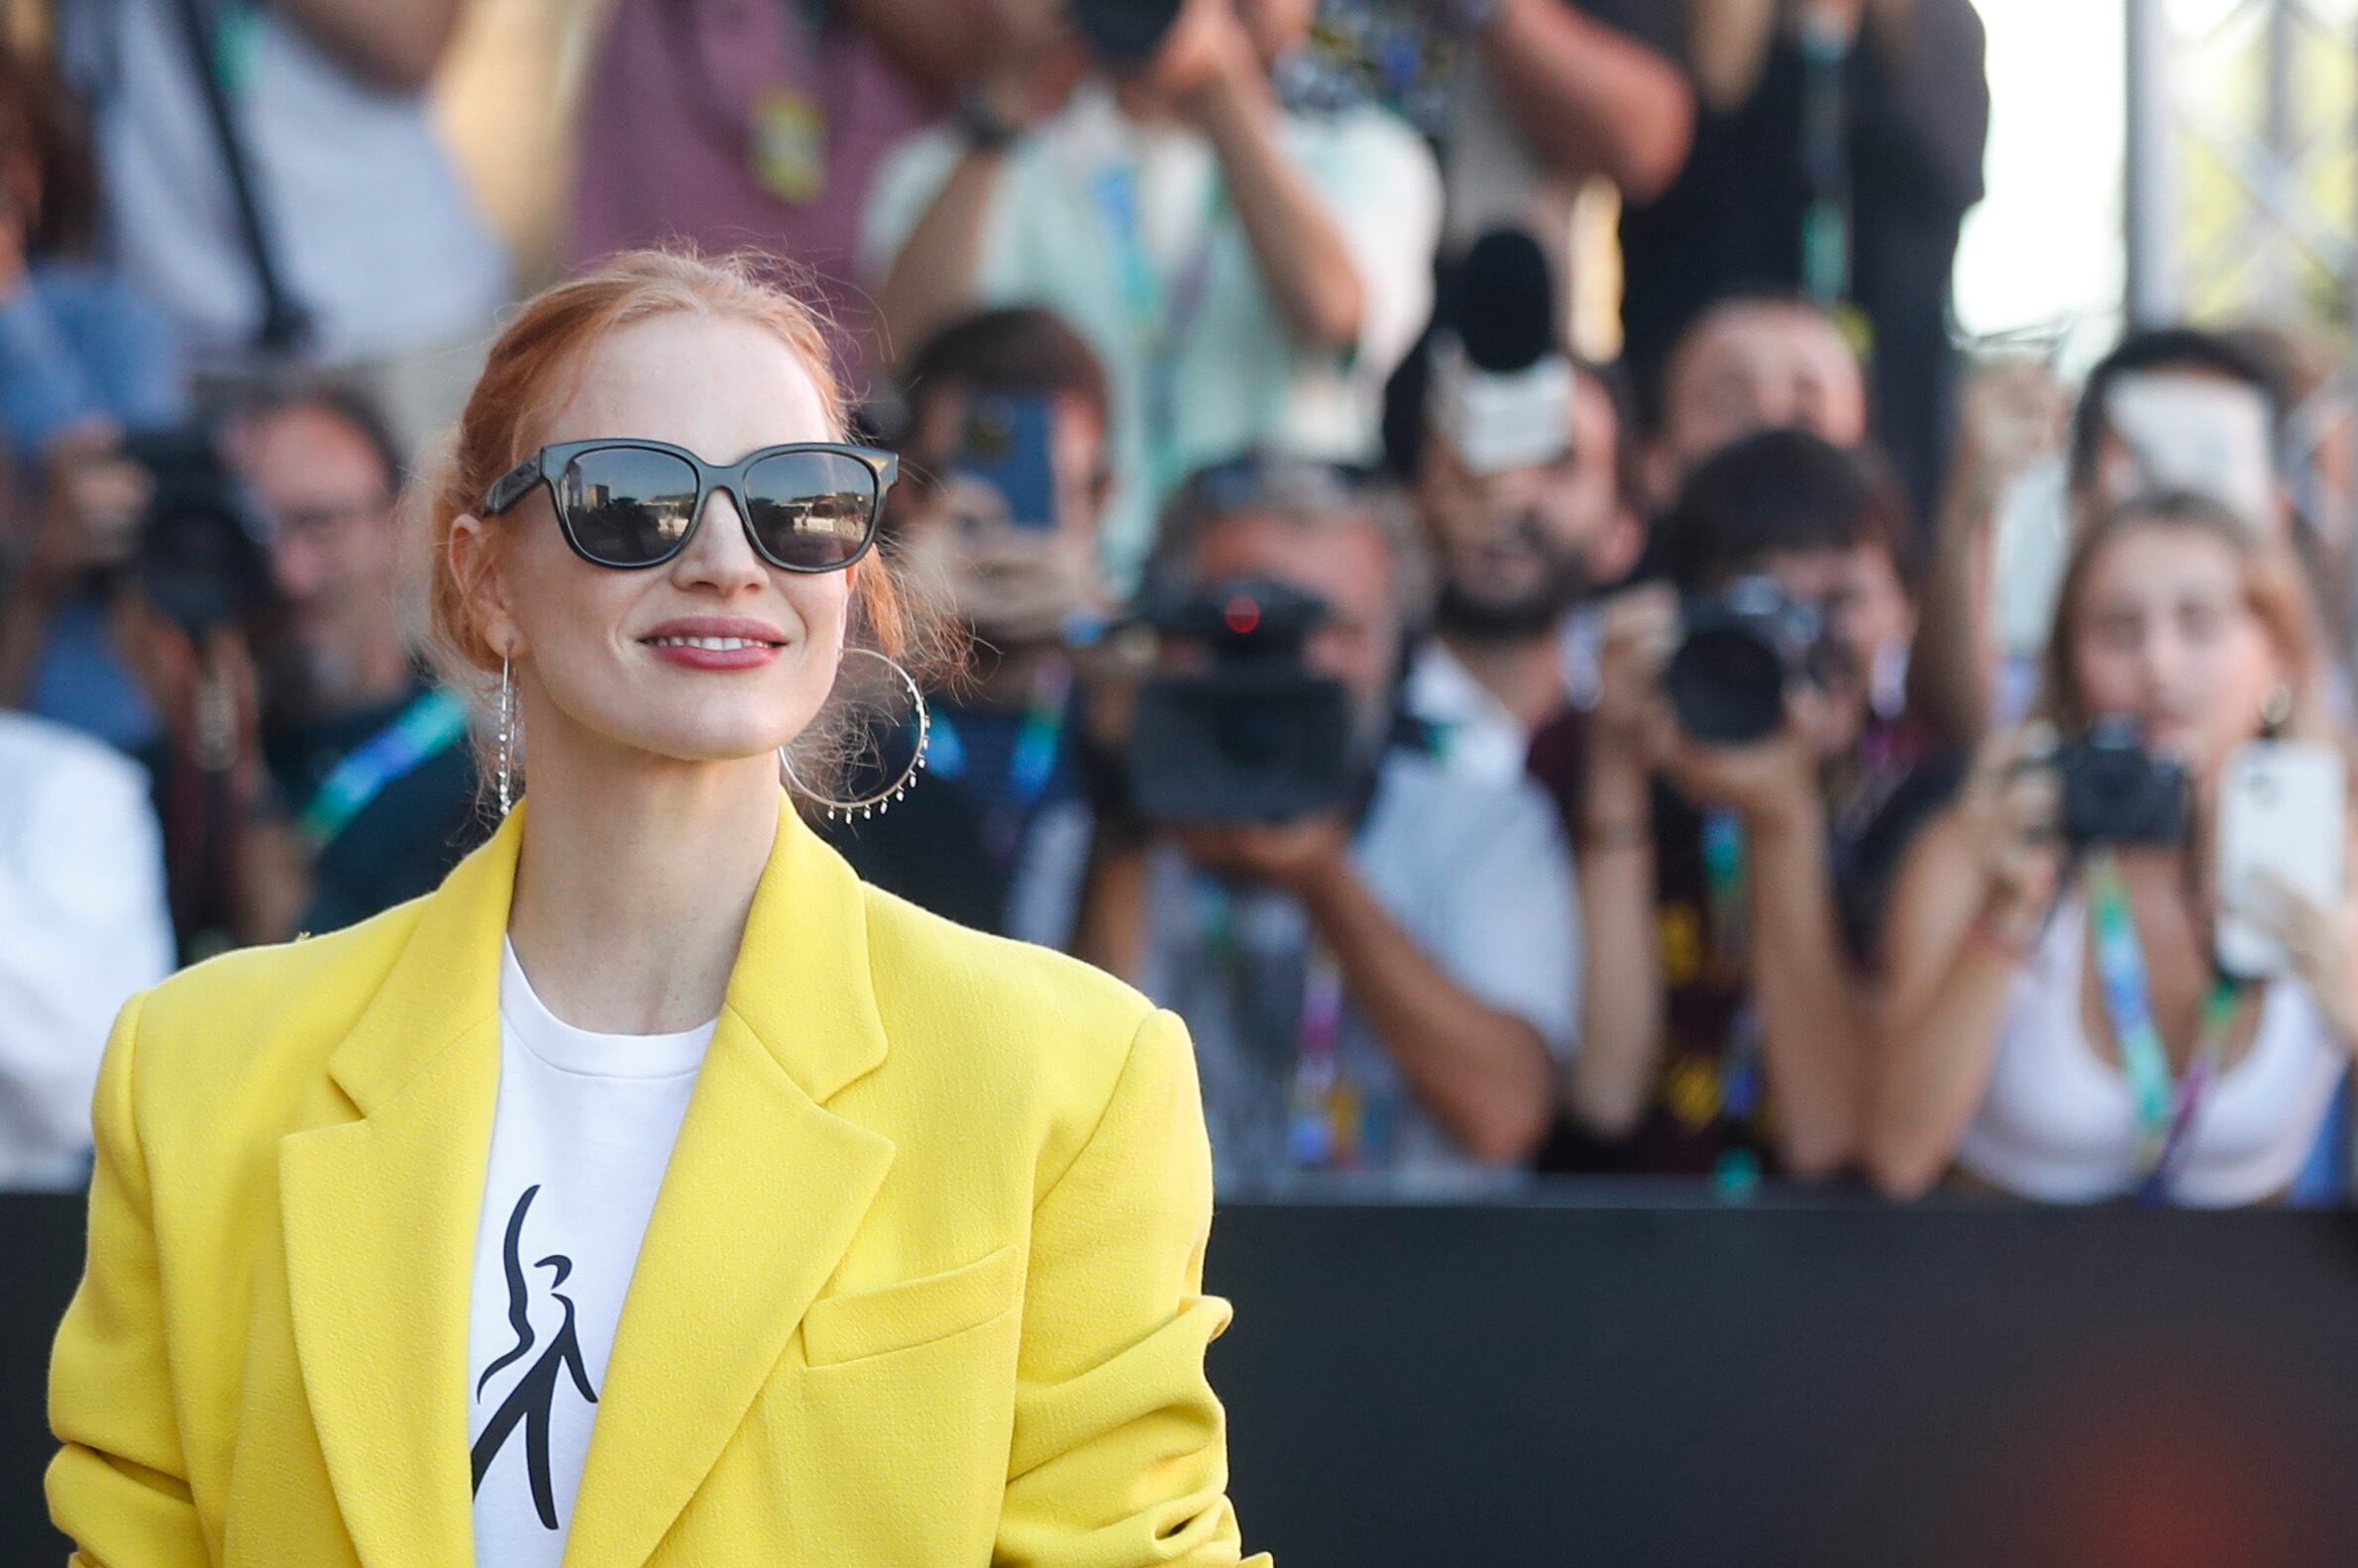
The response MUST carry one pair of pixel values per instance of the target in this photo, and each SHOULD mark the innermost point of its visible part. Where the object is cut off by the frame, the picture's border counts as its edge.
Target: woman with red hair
(653, 1192)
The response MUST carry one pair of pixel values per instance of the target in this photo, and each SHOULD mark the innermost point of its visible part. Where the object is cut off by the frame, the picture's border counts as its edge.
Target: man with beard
(1520, 538)
(1385, 985)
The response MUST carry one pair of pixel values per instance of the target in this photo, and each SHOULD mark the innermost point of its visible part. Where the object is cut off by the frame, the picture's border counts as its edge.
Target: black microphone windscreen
(1502, 302)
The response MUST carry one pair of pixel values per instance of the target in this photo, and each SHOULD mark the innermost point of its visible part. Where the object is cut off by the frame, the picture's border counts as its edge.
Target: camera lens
(1725, 683)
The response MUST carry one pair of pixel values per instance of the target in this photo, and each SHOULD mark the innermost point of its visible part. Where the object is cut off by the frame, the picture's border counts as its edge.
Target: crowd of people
(1502, 759)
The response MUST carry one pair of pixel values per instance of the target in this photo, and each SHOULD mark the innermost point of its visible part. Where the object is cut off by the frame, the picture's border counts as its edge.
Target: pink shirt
(688, 102)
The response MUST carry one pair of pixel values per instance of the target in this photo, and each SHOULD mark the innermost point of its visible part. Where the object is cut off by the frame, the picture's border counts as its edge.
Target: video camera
(1743, 649)
(1254, 735)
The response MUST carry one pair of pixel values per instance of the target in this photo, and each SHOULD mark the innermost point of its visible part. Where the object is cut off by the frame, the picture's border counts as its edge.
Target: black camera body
(2114, 792)
(1252, 736)
(203, 556)
(1743, 649)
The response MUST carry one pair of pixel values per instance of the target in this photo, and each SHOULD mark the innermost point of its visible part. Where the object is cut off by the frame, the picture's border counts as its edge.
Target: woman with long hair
(653, 1192)
(2055, 1024)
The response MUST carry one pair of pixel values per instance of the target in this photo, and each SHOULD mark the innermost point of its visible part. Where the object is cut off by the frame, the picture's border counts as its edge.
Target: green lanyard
(2165, 1113)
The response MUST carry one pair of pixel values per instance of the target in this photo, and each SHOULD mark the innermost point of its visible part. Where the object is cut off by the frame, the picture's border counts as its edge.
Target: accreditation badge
(790, 145)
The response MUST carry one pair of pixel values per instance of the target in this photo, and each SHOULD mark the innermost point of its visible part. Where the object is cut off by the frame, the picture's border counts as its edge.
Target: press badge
(790, 145)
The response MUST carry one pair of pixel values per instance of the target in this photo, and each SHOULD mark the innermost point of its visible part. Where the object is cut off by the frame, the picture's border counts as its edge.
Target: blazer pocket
(912, 1313)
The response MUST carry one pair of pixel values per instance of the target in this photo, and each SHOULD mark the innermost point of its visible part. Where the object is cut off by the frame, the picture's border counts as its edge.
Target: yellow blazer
(923, 1286)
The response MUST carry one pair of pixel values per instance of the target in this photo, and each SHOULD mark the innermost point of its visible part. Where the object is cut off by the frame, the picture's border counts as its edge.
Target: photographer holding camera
(1246, 273)
(83, 355)
(1004, 478)
(2104, 981)
(1378, 958)
(1739, 793)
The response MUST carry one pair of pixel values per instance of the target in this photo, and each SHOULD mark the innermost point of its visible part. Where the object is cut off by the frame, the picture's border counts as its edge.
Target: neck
(635, 878)
(1521, 672)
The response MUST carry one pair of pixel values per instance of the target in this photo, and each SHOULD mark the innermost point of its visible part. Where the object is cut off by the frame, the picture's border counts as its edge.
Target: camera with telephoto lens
(1741, 650)
(2115, 792)
(203, 556)
(1253, 735)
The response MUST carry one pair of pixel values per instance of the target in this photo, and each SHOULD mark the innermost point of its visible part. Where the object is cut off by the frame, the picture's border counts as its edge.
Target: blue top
(79, 343)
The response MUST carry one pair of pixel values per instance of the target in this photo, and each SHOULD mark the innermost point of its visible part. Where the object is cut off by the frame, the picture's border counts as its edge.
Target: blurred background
(1709, 644)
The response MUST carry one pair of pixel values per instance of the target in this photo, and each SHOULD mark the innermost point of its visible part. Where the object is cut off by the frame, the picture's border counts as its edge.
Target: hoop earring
(882, 800)
(507, 734)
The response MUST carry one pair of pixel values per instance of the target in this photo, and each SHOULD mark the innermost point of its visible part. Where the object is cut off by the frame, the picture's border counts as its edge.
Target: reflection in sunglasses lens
(626, 505)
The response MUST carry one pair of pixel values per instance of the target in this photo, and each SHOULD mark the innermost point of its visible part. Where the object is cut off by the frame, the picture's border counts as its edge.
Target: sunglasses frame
(544, 465)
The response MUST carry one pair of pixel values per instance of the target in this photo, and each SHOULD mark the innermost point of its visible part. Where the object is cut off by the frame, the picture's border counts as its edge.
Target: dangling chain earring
(882, 800)
(508, 732)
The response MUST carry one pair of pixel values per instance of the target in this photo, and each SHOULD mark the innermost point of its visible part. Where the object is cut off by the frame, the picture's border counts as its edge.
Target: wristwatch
(981, 125)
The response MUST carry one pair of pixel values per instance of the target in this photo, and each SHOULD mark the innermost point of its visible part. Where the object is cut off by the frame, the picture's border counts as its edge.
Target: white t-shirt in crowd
(582, 1132)
(371, 227)
(1241, 378)
(82, 925)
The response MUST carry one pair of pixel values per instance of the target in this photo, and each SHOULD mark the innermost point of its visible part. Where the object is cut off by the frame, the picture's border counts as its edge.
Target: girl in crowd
(2057, 1027)
(653, 1184)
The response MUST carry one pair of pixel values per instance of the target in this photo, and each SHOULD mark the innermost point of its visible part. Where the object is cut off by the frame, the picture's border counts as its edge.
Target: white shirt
(582, 1131)
(82, 925)
(1240, 379)
(2058, 1122)
(370, 228)
(1475, 870)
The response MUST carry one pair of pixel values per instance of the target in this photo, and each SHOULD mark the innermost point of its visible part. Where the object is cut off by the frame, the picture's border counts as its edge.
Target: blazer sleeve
(118, 1487)
(1120, 1454)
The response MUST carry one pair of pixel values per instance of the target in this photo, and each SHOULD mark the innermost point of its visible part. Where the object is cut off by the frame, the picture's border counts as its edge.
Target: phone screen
(2196, 432)
(1005, 445)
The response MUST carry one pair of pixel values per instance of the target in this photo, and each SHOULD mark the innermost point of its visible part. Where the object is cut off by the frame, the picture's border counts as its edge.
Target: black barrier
(1573, 1380)
(1597, 1376)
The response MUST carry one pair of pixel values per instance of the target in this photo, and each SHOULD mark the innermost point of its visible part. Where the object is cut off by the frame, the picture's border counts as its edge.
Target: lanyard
(2165, 1115)
(1726, 880)
(1825, 165)
(1160, 311)
(1328, 1119)
(1030, 767)
(426, 727)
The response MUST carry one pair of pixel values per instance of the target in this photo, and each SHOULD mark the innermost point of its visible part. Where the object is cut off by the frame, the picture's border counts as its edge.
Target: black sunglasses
(810, 507)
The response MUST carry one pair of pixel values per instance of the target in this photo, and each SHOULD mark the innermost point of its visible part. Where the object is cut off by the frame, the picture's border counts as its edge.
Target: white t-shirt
(582, 1132)
(1240, 377)
(82, 925)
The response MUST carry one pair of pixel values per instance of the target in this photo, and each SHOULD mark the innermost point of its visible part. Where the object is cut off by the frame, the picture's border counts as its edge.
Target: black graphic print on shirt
(531, 1402)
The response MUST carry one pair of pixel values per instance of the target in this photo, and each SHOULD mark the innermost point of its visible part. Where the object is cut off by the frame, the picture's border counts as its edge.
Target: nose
(294, 565)
(720, 557)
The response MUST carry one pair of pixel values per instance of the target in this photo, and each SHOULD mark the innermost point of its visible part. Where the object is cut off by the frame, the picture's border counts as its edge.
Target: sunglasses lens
(813, 511)
(627, 506)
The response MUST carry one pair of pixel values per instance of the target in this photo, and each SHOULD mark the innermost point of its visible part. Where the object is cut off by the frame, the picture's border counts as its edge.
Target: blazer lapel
(765, 1190)
(381, 1217)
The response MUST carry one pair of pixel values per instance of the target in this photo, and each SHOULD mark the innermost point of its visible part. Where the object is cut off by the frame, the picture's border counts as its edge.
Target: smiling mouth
(718, 643)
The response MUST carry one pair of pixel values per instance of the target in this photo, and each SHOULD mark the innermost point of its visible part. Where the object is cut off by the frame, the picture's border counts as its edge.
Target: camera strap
(430, 724)
(2164, 1113)
(1161, 310)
